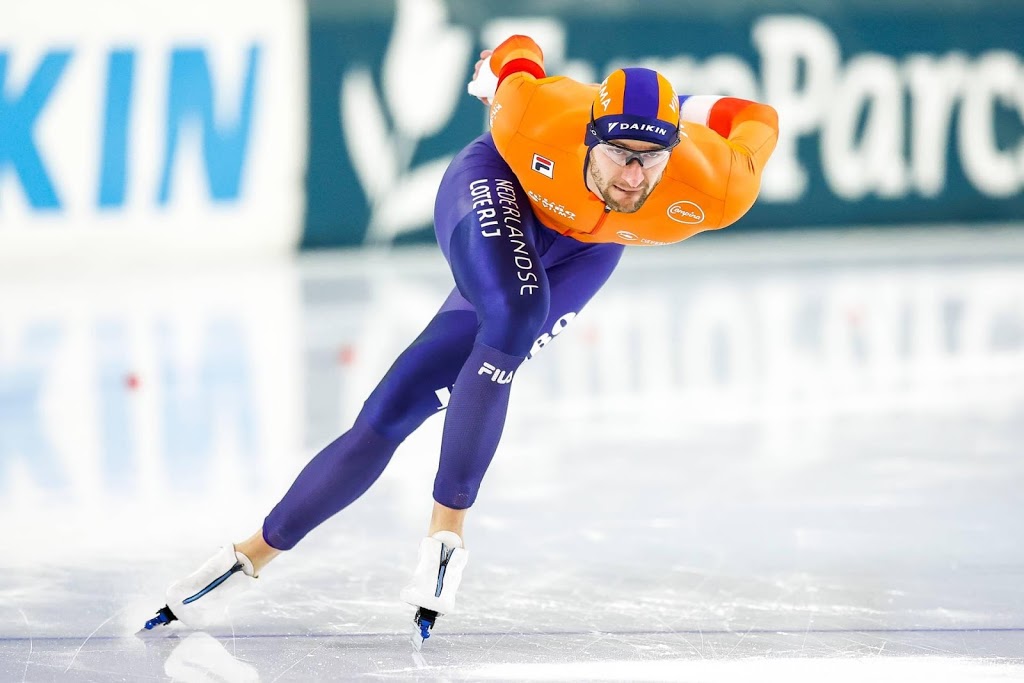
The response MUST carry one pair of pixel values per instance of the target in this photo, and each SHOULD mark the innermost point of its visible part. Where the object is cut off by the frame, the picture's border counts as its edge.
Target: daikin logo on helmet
(641, 127)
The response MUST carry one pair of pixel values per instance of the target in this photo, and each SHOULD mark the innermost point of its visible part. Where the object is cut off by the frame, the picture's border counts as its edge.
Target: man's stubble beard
(605, 187)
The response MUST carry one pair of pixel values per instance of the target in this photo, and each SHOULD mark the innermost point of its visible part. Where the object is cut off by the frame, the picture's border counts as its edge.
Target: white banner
(151, 128)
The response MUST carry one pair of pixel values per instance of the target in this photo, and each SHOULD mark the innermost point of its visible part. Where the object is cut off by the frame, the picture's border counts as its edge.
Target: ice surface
(789, 459)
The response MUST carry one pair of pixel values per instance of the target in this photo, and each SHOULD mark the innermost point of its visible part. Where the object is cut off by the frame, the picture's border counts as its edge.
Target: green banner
(888, 117)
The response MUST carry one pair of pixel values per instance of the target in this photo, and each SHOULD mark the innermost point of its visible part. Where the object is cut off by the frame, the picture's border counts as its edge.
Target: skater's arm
(724, 114)
(725, 153)
(517, 55)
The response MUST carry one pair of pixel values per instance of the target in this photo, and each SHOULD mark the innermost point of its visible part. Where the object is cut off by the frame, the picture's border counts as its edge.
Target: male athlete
(532, 218)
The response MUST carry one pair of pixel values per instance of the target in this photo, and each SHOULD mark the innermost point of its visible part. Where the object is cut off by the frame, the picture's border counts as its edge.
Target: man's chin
(629, 202)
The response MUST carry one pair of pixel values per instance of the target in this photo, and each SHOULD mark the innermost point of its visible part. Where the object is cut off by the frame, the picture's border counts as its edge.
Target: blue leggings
(514, 280)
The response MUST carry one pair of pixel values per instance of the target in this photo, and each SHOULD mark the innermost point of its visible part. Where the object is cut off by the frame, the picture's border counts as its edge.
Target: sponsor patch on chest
(686, 212)
(551, 206)
(543, 165)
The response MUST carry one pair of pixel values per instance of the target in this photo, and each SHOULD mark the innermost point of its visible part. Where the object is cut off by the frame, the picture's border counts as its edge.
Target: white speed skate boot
(201, 597)
(435, 581)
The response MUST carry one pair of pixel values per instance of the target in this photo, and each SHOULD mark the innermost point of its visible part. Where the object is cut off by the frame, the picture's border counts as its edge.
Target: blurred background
(215, 236)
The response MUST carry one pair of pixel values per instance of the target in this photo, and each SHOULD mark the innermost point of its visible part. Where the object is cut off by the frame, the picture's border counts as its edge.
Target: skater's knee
(511, 322)
(397, 414)
(407, 394)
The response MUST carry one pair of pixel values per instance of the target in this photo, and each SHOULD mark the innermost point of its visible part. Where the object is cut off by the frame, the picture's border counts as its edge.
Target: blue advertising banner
(887, 117)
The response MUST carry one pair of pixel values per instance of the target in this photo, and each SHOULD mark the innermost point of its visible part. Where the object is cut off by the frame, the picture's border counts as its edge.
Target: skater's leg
(341, 472)
(346, 468)
(575, 271)
(572, 273)
(444, 518)
(259, 552)
(489, 235)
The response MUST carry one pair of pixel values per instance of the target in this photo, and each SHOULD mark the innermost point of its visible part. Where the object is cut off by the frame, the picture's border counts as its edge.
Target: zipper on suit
(600, 221)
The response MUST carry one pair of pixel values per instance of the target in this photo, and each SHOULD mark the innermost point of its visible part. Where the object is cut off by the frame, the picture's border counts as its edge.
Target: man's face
(623, 188)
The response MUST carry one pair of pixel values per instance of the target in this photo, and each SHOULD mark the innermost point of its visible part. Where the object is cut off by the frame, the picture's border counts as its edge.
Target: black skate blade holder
(424, 620)
(164, 616)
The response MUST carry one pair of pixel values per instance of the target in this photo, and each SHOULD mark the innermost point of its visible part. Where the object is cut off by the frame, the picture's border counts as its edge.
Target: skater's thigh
(488, 233)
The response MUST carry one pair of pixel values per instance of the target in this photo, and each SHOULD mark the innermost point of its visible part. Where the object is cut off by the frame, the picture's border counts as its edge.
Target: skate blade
(422, 623)
(416, 637)
(165, 631)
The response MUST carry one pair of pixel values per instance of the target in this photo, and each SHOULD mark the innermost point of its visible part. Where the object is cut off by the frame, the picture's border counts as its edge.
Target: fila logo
(499, 376)
(544, 166)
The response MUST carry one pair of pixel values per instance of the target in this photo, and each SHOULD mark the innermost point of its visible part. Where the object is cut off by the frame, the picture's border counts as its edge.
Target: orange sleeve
(753, 134)
(517, 53)
(518, 63)
(732, 143)
(722, 114)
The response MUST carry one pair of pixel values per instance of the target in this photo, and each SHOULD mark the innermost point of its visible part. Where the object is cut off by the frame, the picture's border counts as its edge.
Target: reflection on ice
(201, 657)
(797, 670)
(721, 470)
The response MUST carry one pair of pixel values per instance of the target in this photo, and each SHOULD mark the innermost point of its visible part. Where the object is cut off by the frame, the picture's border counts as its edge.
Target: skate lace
(446, 555)
(213, 584)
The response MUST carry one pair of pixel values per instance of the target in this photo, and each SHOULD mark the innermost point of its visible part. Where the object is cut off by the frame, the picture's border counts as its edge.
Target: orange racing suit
(539, 125)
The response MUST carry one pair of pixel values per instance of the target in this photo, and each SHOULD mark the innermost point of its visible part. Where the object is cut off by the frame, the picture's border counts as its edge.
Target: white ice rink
(790, 457)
